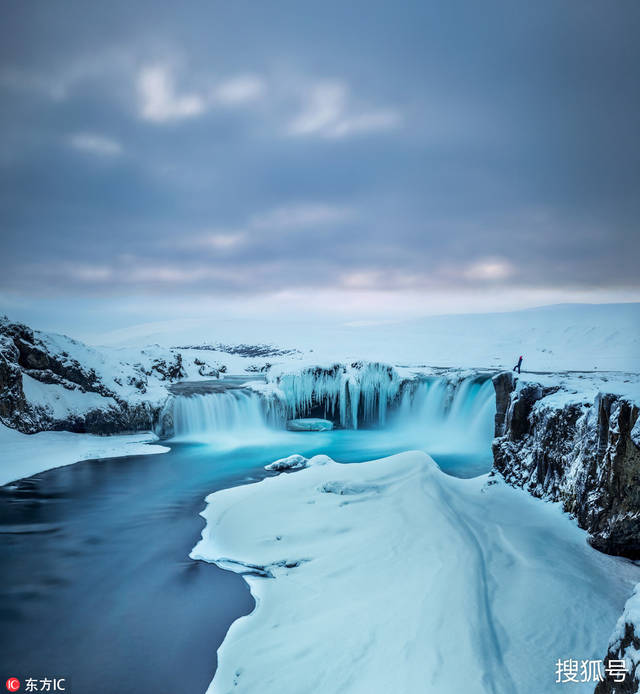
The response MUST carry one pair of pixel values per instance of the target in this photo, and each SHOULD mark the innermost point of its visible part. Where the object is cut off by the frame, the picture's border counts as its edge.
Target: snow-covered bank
(23, 455)
(390, 576)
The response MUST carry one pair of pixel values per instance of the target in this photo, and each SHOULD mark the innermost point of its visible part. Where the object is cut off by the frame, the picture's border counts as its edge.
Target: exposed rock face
(114, 407)
(580, 453)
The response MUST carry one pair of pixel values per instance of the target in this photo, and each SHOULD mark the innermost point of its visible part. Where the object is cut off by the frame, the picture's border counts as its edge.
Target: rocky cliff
(45, 386)
(52, 382)
(560, 445)
(581, 449)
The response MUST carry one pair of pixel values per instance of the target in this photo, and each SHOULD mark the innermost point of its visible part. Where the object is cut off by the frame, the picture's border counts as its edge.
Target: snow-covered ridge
(390, 576)
(586, 337)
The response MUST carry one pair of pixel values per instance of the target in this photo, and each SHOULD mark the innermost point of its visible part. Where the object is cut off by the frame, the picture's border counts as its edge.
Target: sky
(364, 160)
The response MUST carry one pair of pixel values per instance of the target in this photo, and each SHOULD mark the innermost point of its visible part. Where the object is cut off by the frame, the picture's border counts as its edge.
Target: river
(97, 586)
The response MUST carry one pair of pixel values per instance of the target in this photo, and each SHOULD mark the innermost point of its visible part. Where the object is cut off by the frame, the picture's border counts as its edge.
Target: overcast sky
(355, 158)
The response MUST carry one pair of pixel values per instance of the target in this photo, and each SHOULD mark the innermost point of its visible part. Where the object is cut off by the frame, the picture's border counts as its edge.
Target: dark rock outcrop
(27, 353)
(579, 453)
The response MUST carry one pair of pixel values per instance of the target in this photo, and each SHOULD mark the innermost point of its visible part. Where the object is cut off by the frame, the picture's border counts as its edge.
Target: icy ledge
(25, 455)
(390, 576)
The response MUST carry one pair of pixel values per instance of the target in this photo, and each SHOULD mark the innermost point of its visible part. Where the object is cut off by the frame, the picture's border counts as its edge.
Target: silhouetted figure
(518, 365)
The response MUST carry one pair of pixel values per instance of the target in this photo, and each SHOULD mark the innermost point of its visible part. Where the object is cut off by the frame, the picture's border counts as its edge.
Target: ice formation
(374, 395)
(356, 394)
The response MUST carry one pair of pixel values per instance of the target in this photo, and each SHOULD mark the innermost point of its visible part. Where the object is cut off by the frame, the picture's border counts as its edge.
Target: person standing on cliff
(518, 365)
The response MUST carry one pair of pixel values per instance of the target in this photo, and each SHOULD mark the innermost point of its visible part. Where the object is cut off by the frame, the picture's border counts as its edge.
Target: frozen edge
(24, 455)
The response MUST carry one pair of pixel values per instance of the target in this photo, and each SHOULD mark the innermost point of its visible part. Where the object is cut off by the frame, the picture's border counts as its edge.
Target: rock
(23, 352)
(171, 371)
(504, 384)
(578, 453)
(293, 462)
(309, 424)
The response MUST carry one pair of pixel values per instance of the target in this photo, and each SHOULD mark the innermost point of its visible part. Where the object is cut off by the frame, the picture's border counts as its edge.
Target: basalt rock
(23, 353)
(582, 454)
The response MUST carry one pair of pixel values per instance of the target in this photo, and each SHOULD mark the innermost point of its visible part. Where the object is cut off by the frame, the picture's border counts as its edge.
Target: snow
(581, 337)
(23, 455)
(390, 576)
(635, 433)
(291, 462)
(630, 617)
(585, 386)
(62, 402)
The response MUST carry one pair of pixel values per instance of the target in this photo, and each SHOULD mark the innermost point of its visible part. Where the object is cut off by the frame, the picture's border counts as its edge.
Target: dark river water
(96, 584)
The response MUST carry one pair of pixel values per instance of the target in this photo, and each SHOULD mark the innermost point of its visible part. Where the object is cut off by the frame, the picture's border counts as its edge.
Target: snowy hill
(571, 336)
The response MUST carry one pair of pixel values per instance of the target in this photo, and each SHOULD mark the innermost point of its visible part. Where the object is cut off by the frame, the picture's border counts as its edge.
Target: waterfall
(353, 395)
(444, 413)
(217, 415)
(367, 394)
(430, 413)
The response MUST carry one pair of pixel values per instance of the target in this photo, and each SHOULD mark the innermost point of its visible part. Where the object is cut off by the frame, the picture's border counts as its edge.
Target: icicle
(342, 392)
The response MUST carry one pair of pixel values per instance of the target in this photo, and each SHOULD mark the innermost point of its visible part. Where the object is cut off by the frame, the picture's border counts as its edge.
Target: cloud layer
(238, 151)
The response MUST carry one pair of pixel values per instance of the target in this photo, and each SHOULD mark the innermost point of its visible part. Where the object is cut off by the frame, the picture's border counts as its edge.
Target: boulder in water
(293, 462)
(309, 424)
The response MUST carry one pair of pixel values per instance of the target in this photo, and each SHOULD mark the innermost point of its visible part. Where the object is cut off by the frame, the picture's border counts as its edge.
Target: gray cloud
(238, 149)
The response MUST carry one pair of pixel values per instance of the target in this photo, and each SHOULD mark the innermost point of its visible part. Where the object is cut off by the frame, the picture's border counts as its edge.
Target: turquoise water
(97, 585)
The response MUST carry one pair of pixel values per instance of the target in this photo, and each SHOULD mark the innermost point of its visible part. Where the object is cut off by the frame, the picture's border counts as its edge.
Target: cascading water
(450, 419)
(445, 416)
(217, 415)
